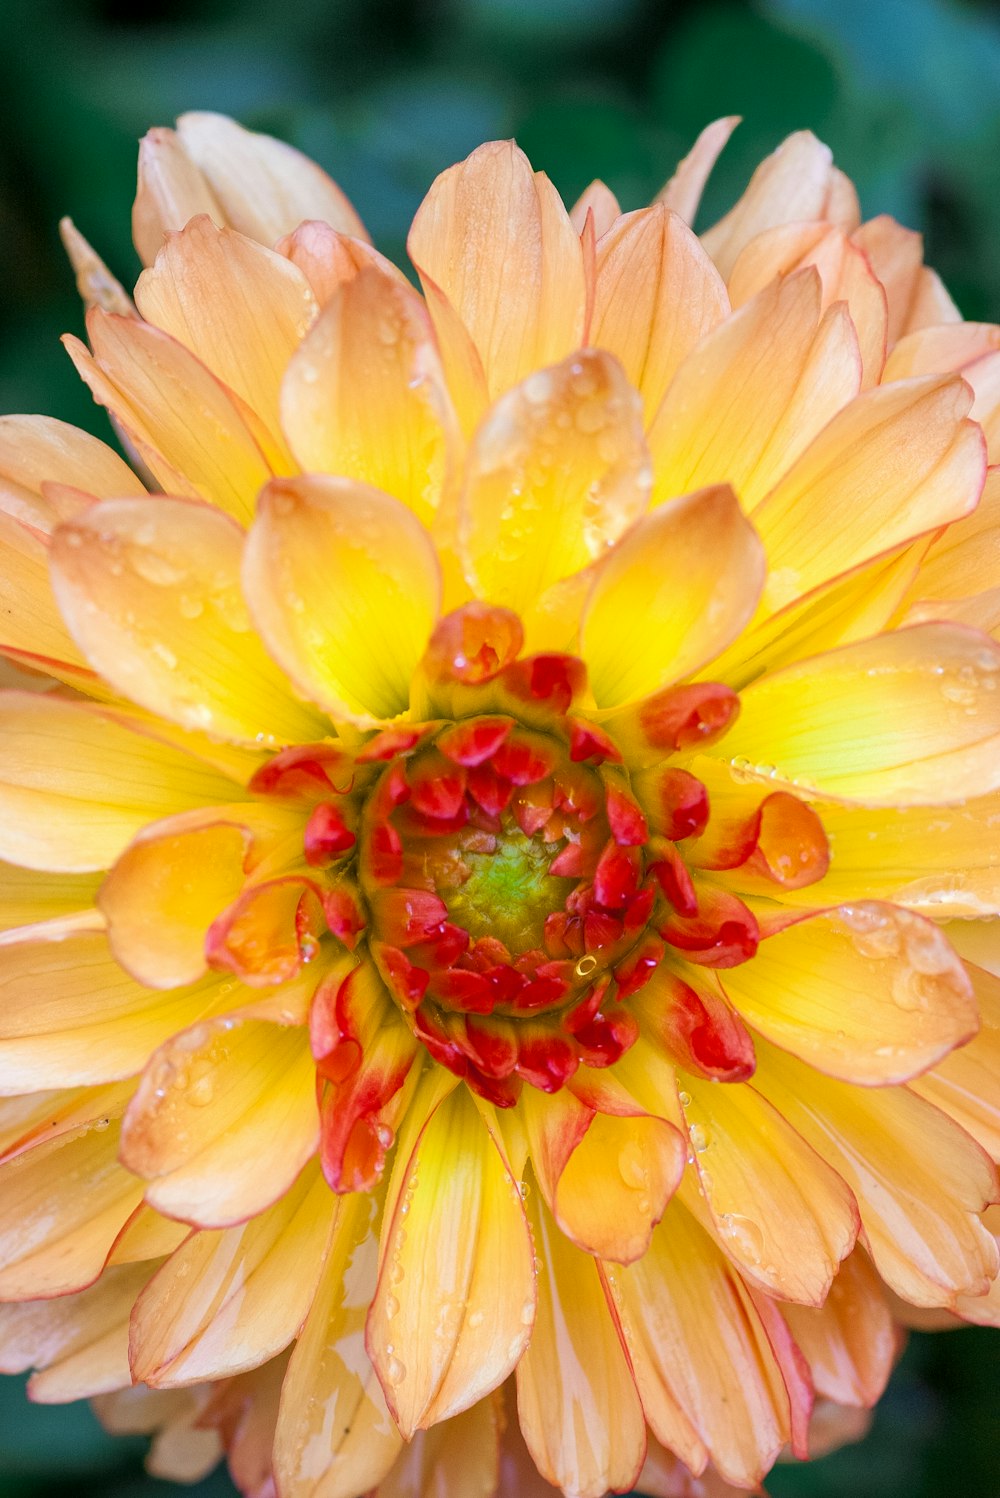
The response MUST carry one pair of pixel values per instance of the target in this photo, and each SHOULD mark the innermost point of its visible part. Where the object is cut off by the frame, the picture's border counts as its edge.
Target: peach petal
(555, 473)
(657, 294)
(577, 1361)
(217, 1095)
(151, 592)
(682, 194)
(850, 1342)
(966, 1084)
(364, 396)
(226, 1301)
(38, 450)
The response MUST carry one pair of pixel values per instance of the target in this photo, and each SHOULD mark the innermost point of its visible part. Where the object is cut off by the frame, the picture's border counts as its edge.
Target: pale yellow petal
(38, 450)
(683, 192)
(672, 594)
(791, 184)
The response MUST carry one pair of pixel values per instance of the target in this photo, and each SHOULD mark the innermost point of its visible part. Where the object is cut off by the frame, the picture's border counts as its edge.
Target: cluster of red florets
(496, 860)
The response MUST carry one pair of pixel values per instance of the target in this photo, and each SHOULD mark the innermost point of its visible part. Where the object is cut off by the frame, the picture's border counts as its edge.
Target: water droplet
(744, 1236)
(632, 1166)
(476, 1319)
(699, 1139)
(395, 1372)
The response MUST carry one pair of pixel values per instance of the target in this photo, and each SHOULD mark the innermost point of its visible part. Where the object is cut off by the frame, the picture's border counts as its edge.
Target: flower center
(504, 888)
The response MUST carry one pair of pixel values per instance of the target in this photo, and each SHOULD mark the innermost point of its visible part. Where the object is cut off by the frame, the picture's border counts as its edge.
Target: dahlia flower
(498, 808)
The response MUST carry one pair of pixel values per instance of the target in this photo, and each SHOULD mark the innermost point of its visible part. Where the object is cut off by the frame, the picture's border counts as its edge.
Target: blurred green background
(385, 94)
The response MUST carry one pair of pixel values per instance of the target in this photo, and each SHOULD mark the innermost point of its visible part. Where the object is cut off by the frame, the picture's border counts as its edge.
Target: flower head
(490, 885)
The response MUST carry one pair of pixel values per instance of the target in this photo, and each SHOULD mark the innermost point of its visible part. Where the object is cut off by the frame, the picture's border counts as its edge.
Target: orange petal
(657, 294)
(919, 1180)
(216, 1098)
(709, 1381)
(335, 1438)
(76, 784)
(259, 185)
(966, 1084)
(849, 1343)
(577, 1362)
(869, 993)
(64, 1204)
(226, 1301)
(670, 596)
(754, 392)
(853, 471)
(71, 1015)
(794, 183)
(38, 450)
(605, 1178)
(456, 1296)
(780, 1213)
(555, 473)
(176, 877)
(344, 585)
(188, 429)
(683, 192)
(364, 397)
(964, 558)
(909, 718)
(495, 240)
(241, 309)
(151, 591)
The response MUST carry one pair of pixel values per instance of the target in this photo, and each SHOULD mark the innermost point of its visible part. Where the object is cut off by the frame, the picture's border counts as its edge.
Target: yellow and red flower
(498, 806)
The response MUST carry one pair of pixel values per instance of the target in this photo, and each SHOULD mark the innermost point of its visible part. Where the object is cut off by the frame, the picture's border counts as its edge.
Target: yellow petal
(64, 1203)
(754, 392)
(683, 192)
(38, 450)
(241, 309)
(941, 861)
(257, 184)
(555, 473)
(576, 1399)
(31, 896)
(965, 559)
(223, 1120)
(185, 425)
(365, 397)
(850, 1343)
(32, 630)
(657, 294)
(909, 718)
(670, 596)
(151, 591)
(344, 586)
(494, 238)
(703, 1364)
(335, 1437)
(780, 1213)
(870, 993)
(606, 1178)
(966, 1084)
(792, 184)
(71, 1015)
(226, 1301)
(455, 1299)
(919, 1180)
(76, 784)
(78, 1343)
(871, 501)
